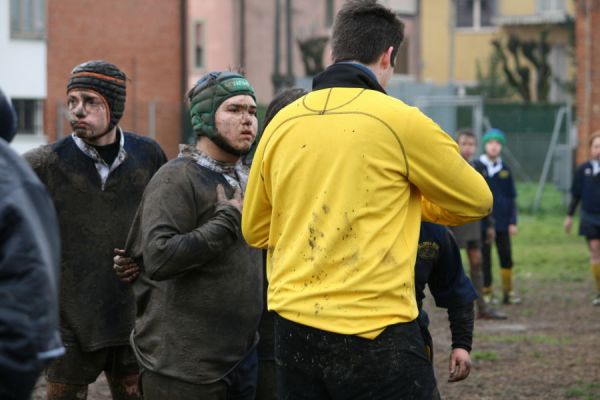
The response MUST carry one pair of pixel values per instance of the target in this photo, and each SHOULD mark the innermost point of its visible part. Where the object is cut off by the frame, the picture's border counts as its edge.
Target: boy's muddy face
(493, 148)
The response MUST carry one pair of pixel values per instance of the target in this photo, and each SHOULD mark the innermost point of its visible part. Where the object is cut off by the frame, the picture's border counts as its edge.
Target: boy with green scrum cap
(199, 294)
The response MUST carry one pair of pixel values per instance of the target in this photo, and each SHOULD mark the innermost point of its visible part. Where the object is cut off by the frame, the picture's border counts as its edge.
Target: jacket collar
(347, 74)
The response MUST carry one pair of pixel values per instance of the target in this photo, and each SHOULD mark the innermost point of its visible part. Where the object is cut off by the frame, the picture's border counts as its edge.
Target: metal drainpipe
(587, 105)
(184, 69)
(242, 34)
(451, 31)
(276, 77)
(289, 51)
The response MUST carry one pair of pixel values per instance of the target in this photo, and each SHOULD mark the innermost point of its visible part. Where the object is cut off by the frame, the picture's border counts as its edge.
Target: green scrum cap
(494, 134)
(207, 95)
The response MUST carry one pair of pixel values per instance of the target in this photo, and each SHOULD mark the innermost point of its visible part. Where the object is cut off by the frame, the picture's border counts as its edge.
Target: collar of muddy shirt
(110, 151)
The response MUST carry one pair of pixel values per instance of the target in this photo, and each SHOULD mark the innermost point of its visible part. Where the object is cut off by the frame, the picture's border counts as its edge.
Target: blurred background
(510, 64)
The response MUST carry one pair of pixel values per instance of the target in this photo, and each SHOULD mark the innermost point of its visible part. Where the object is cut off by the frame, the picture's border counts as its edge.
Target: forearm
(168, 254)
(573, 205)
(461, 326)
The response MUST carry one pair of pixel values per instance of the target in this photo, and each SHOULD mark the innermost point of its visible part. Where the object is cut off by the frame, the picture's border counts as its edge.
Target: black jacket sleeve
(29, 275)
(461, 326)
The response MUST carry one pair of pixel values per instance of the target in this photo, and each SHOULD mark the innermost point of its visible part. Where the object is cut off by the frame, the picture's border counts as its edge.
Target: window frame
(556, 6)
(21, 31)
(195, 67)
(36, 123)
(476, 27)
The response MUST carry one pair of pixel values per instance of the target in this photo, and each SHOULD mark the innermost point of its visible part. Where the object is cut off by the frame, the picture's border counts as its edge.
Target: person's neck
(104, 140)
(207, 146)
(375, 69)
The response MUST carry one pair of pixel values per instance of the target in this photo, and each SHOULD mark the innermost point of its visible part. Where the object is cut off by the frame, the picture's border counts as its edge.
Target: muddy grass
(549, 348)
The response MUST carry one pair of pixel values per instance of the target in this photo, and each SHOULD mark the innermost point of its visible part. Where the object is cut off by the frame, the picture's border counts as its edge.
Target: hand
(460, 365)
(513, 230)
(568, 224)
(235, 201)
(490, 235)
(126, 269)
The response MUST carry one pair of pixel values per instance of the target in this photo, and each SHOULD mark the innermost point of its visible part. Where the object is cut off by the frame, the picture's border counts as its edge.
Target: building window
(475, 14)
(545, 6)
(28, 19)
(29, 116)
(198, 43)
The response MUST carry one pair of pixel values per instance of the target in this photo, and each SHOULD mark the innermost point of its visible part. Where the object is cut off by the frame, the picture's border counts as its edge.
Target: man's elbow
(485, 203)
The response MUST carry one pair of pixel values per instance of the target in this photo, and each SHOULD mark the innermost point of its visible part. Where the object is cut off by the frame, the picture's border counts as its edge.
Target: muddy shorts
(468, 236)
(77, 367)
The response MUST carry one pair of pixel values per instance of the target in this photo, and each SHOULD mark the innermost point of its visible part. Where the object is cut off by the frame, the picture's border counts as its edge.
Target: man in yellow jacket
(339, 183)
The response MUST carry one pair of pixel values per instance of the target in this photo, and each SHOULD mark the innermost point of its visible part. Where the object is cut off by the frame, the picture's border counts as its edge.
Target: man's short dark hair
(364, 30)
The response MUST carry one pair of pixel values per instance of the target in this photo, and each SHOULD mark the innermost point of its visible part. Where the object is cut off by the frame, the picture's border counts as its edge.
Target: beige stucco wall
(471, 45)
(517, 7)
(434, 40)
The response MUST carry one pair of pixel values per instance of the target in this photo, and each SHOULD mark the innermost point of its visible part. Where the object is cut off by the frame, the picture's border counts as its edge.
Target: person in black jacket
(439, 266)
(586, 189)
(96, 177)
(29, 270)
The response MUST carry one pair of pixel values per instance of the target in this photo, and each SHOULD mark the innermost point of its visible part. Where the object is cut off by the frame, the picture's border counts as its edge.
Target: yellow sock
(506, 274)
(596, 273)
(487, 290)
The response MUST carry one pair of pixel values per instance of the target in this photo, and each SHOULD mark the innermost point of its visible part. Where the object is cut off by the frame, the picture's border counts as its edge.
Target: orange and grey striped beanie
(106, 80)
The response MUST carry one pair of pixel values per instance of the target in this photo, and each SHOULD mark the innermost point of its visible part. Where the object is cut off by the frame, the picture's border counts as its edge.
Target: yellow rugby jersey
(336, 191)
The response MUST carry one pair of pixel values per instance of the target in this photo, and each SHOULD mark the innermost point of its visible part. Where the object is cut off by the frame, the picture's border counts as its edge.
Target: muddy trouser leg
(122, 373)
(475, 263)
(63, 391)
(315, 364)
(486, 264)
(477, 279)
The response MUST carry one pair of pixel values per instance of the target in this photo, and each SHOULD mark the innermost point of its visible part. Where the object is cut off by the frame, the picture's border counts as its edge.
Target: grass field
(548, 348)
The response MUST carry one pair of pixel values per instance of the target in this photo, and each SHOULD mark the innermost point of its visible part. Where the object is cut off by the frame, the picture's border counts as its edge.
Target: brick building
(588, 74)
(143, 38)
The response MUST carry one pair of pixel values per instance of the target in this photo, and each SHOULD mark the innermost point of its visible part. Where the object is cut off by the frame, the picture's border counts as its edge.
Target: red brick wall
(141, 37)
(588, 74)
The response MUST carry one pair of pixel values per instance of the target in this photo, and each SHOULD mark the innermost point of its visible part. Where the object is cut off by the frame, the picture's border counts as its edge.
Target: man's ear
(385, 61)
